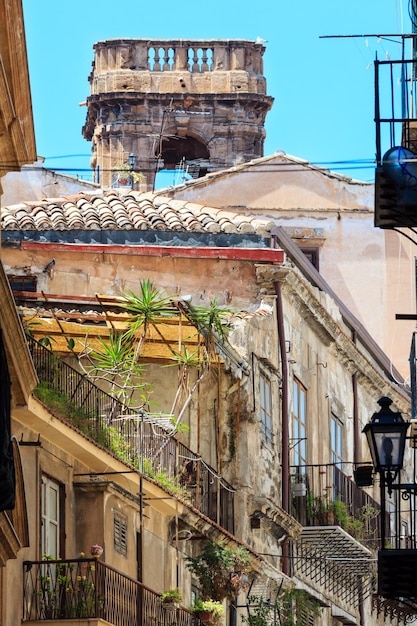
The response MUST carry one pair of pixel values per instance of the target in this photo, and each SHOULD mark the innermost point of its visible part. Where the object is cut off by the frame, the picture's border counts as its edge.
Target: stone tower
(158, 104)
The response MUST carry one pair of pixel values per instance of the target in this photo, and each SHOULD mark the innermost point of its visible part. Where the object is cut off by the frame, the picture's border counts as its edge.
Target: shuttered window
(120, 532)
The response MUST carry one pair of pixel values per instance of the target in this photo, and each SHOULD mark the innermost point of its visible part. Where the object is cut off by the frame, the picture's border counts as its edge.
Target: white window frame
(299, 424)
(336, 440)
(50, 517)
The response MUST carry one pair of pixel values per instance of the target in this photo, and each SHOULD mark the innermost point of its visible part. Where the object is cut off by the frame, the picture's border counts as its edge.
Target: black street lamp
(132, 160)
(386, 434)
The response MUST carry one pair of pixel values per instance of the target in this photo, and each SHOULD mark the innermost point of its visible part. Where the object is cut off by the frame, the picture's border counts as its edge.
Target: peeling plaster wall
(85, 274)
(370, 269)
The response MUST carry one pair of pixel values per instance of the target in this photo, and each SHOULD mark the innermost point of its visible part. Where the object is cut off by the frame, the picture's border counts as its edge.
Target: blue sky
(323, 87)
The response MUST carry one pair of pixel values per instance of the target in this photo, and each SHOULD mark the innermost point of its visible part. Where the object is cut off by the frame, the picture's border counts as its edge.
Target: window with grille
(120, 532)
(305, 618)
(265, 397)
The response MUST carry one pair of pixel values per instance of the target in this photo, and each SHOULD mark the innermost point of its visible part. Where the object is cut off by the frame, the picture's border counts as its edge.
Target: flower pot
(300, 490)
(170, 606)
(96, 551)
(207, 618)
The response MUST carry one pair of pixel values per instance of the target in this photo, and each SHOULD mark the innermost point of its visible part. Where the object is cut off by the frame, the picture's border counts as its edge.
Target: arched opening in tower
(185, 154)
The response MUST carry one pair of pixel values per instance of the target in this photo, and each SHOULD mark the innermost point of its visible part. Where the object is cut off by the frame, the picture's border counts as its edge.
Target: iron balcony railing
(79, 589)
(131, 436)
(324, 495)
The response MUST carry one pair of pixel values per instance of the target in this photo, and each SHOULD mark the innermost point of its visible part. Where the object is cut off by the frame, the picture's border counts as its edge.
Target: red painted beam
(268, 255)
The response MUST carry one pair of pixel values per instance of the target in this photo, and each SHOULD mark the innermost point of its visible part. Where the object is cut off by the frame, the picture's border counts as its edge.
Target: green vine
(233, 435)
(220, 570)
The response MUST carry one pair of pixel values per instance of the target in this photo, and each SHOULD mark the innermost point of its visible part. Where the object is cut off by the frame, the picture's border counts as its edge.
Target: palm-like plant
(146, 308)
(118, 360)
(113, 361)
(114, 356)
(211, 319)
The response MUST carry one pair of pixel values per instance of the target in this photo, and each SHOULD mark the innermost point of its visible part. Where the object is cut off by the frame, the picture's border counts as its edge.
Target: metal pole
(383, 510)
(377, 114)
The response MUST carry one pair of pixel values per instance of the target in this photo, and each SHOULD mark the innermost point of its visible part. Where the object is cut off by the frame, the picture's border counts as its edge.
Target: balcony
(323, 495)
(396, 141)
(136, 439)
(86, 589)
(196, 56)
(340, 531)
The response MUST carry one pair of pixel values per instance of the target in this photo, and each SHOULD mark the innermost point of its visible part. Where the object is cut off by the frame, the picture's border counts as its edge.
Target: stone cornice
(279, 522)
(322, 314)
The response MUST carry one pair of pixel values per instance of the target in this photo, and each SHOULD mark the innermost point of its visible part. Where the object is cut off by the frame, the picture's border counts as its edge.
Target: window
(266, 408)
(312, 255)
(51, 503)
(336, 440)
(336, 451)
(23, 283)
(120, 532)
(299, 424)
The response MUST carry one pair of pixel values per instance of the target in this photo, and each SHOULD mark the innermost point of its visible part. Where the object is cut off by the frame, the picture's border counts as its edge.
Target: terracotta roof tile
(127, 211)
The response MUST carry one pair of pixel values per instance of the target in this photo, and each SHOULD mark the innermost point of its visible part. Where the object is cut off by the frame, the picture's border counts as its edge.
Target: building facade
(239, 422)
(331, 218)
(280, 422)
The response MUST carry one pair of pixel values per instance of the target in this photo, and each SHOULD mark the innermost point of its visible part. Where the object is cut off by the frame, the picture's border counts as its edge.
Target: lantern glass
(386, 433)
(387, 444)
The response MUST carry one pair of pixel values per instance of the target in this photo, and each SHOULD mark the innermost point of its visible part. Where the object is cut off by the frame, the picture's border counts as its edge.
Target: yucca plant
(211, 319)
(114, 362)
(147, 307)
(117, 360)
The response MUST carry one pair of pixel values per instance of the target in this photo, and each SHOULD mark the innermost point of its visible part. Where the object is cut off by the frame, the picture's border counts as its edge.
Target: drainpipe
(357, 458)
(356, 430)
(285, 423)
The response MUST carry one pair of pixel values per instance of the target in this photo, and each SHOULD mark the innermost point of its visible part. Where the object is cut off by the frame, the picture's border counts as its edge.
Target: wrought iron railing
(324, 495)
(132, 436)
(86, 588)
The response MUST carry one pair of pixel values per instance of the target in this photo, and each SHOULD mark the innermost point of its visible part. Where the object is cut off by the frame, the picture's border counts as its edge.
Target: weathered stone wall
(203, 101)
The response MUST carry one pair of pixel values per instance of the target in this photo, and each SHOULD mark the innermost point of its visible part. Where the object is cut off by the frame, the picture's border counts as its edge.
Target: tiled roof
(105, 210)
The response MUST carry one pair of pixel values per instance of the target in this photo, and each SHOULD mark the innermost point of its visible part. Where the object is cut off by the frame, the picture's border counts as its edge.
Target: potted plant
(171, 599)
(125, 176)
(96, 551)
(221, 570)
(209, 612)
(320, 511)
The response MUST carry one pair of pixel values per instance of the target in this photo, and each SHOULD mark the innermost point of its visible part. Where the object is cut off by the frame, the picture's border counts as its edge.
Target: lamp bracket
(407, 489)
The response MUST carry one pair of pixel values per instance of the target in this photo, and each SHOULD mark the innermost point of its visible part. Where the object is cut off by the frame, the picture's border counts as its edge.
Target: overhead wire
(273, 168)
